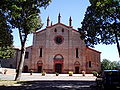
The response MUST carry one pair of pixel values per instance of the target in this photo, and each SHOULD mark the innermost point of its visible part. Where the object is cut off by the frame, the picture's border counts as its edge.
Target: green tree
(108, 65)
(6, 39)
(118, 65)
(24, 15)
(6, 52)
(105, 64)
(101, 23)
(114, 65)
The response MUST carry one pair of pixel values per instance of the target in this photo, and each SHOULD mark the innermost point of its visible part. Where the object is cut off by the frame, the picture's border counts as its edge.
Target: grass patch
(10, 83)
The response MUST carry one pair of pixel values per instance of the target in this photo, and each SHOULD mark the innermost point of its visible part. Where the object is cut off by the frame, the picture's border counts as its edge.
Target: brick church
(58, 48)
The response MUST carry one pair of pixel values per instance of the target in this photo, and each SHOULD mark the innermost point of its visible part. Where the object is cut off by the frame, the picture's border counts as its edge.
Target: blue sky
(76, 9)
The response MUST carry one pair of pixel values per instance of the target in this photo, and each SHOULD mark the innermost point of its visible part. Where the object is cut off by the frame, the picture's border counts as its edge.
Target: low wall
(7, 71)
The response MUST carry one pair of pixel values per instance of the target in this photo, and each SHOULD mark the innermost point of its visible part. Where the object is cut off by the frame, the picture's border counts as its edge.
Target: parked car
(111, 78)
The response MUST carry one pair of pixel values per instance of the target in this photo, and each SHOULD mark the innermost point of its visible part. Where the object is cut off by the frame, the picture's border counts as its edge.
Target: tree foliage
(6, 39)
(108, 65)
(101, 23)
(6, 52)
(23, 15)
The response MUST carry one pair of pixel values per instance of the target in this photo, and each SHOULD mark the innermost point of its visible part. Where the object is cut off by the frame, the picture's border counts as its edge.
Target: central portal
(58, 63)
(58, 68)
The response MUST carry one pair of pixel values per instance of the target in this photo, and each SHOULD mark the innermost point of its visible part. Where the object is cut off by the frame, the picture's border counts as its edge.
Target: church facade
(58, 48)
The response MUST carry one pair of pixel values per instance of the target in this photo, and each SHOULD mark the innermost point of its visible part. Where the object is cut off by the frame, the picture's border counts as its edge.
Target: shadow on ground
(53, 85)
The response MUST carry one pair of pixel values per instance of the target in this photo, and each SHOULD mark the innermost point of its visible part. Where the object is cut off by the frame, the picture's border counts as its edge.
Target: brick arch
(39, 63)
(58, 56)
(77, 63)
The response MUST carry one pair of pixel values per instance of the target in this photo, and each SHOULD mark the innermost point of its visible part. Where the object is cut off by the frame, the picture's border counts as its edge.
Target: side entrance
(39, 66)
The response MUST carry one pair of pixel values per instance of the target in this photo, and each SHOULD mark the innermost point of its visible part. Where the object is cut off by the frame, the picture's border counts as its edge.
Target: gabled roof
(59, 24)
(56, 25)
(29, 46)
(93, 50)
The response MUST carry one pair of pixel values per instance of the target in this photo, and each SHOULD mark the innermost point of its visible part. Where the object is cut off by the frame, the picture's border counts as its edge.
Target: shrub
(57, 74)
(70, 73)
(83, 73)
(31, 71)
(43, 73)
(95, 73)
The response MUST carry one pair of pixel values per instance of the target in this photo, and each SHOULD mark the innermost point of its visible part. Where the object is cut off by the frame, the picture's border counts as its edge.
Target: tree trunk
(118, 45)
(116, 36)
(22, 55)
(21, 62)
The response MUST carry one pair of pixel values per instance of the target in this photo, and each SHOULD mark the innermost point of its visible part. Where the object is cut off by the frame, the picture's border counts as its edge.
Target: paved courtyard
(52, 82)
(50, 77)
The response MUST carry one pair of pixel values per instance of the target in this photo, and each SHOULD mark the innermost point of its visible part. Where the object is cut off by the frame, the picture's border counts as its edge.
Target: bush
(57, 74)
(43, 73)
(95, 73)
(70, 73)
(83, 73)
(31, 71)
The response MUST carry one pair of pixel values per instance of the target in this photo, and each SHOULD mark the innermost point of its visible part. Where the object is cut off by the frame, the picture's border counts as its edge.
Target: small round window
(58, 39)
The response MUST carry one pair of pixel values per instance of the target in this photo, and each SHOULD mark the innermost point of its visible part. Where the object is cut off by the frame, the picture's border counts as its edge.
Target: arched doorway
(77, 67)
(25, 69)
(39, 66)
(58, 63)
(76, 70)
(58, 68)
